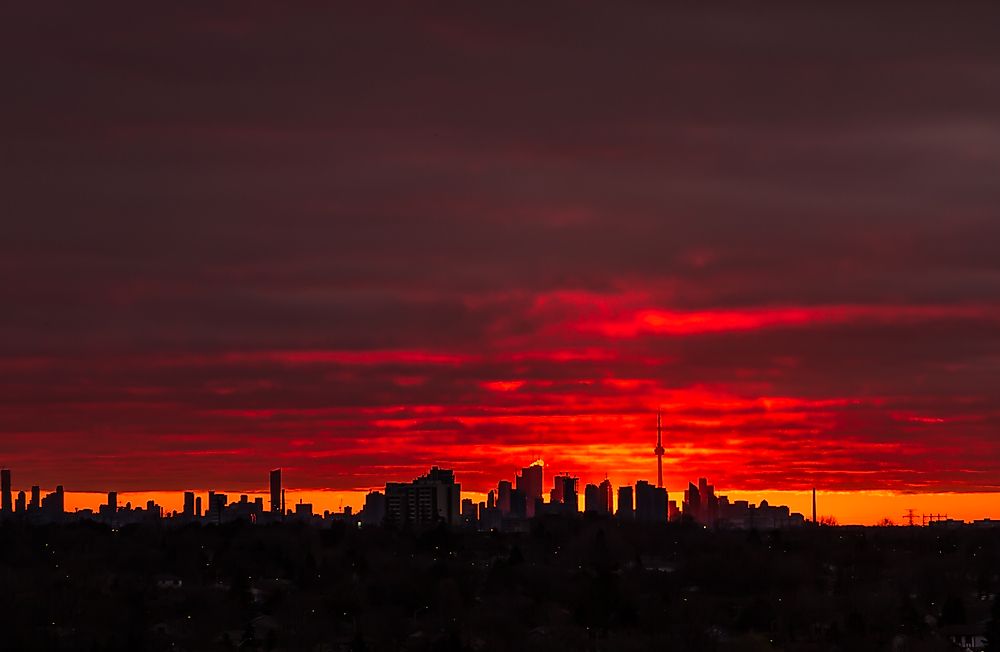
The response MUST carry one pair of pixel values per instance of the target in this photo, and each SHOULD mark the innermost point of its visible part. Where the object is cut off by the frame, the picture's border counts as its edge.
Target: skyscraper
(531, 482)
(276, 506)
(650, 503)
(36, 497)
(503, 496)
(54, 504)
(7, 506)
(565, 491)
(625, 509)
(607, 497)
(591, 499)
(189, 504)
(692, 502)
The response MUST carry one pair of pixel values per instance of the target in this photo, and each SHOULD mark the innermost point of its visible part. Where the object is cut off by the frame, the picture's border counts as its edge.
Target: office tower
(22, 503)
(189, 504)
(54, 504)
(659, 450)
(470, 512)
(564, 490)
(303, 510)
(531, 482)
(491, 499)
(607, 498)
(591, 499)
(7, 505)
(197, 506)
(109, 510)
(625, 505)
(692, 502)
(427, 500)
(650, 503)
(36, 497)
(283, 512)
(571, 497)
(705, 504)
(374, 510)
(518, 504)
(503, 496)
(277, 500)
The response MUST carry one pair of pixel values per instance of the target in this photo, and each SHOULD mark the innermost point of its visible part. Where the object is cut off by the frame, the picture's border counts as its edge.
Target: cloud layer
(354, 242)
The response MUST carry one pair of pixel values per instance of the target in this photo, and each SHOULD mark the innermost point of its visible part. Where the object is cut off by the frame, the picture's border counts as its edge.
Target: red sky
(353, 243)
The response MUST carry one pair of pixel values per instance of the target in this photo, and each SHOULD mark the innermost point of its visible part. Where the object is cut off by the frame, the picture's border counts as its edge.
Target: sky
(355, 241)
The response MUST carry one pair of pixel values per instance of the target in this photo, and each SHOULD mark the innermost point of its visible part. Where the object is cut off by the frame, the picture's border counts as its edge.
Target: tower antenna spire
(659, 449)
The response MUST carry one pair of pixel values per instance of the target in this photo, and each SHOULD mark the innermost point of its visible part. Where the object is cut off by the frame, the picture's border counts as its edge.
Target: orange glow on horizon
(848, 508)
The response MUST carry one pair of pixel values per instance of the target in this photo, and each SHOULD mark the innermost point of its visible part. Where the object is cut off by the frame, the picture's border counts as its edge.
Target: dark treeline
(588, 584)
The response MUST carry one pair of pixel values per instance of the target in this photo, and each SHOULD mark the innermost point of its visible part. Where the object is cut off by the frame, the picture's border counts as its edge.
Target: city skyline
(529, 480)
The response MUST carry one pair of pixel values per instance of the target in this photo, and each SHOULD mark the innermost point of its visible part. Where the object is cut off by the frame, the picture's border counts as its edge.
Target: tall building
(503, 496)
(189, 504)
(54, 504)
(374, 509)
(429, 499)
(565, 491)
(470, 512)
(650, 503)
(625, 508)
(692, 502)
(22, 503)
(36, 497)
(518, 504)
(532, 483)
(607, 497)
(591, 499)
(7, 505)
(276, 498)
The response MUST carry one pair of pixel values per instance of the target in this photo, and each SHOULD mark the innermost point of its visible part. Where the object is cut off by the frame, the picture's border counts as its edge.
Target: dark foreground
(576, 585)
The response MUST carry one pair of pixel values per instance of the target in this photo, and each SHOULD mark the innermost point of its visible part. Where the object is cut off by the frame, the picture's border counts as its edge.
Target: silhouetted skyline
(436, 497)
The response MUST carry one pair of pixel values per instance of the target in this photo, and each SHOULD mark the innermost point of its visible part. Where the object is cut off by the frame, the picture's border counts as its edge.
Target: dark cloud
(209, 210)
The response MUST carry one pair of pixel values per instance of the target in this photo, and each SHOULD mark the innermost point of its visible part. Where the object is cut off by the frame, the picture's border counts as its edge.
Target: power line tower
(910, 516)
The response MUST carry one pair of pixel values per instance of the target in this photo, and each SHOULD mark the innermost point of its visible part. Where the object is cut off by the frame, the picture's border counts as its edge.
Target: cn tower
(659, 451)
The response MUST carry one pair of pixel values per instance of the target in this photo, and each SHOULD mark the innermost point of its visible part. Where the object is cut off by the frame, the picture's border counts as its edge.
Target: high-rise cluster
(436, 497)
